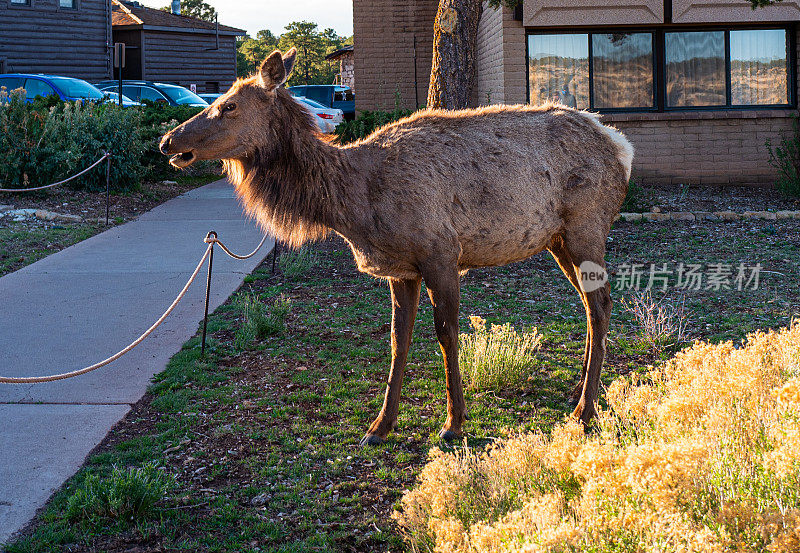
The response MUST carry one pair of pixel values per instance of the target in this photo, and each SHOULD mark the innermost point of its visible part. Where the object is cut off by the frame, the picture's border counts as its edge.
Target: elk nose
(164, 147)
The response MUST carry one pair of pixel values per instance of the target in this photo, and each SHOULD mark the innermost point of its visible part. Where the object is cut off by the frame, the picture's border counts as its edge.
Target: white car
(327, 118)
(114, 99)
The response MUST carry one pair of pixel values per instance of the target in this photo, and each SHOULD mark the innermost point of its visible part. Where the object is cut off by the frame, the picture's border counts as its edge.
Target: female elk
(427, 197)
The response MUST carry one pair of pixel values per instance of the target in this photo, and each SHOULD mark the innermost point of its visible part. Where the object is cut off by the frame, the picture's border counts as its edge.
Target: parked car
(113, 97)
(332, 96)
(327, 118)
(66, 88)
(209, 97)
(141, 91)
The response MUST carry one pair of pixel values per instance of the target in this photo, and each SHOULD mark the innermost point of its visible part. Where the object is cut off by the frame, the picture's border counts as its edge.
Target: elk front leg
(443, 289)
(405, 300)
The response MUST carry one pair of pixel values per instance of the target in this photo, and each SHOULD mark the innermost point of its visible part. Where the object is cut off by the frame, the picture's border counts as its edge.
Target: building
(63, 37)
(698, 87)
(164, 46)
(346, 75)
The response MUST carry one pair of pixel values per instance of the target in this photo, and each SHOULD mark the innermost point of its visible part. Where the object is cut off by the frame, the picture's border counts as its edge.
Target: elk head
(236, 122)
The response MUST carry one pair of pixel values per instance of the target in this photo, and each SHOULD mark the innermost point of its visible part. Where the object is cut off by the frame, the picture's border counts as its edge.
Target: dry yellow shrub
(699, 455)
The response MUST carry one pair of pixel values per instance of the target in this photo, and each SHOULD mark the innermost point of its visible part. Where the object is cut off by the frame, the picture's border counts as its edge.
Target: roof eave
(191, 30)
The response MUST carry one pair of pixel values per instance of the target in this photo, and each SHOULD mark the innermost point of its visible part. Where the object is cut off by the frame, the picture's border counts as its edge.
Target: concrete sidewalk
(81, 305)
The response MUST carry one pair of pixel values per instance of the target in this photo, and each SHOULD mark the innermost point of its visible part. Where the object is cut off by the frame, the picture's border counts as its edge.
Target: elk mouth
(183, 160)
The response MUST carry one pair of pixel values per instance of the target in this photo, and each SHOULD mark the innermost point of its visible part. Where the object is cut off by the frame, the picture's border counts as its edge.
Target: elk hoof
(371, 440)
(448, 435)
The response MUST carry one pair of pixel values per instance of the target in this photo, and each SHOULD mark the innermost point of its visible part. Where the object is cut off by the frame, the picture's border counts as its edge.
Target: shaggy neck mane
(293, 183)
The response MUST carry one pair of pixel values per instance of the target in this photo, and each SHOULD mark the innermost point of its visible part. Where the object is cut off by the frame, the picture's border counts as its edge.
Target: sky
(254, 15)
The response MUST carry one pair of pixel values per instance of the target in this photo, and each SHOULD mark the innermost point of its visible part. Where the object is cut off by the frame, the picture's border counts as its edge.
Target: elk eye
(229, 107)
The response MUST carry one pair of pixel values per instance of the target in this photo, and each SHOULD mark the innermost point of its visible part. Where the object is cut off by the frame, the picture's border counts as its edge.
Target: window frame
(659, 64)
(76, 4)
(20, 5)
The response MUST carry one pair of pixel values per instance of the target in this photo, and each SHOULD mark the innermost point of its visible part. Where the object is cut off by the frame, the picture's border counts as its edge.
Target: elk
(427, 198)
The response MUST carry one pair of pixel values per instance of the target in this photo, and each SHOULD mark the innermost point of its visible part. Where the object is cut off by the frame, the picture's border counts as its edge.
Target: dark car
(140, 91)
(66, 88)
(329, 95)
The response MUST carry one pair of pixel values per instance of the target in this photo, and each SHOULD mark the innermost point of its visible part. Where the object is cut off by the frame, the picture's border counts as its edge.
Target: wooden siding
(43, 38)
(186, 58)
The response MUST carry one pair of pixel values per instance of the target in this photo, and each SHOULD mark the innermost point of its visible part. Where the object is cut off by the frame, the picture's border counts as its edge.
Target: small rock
(68, 218)
(765, 215)
(169, 182)
(682, 216)
(45, 215)
(655, 216)
(259, 500)
(705, 216)
(727, 215)
(631, 216)
(655, 209)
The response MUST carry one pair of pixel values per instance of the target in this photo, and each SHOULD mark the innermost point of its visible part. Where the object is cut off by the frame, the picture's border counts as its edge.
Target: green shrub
(125, 495)
(47, 140)
(496, 357)
(260, 320)
(633, 198)
(786, 159)
(366, 123)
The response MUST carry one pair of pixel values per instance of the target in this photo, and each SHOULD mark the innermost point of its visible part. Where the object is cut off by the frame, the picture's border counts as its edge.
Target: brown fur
(427, 197)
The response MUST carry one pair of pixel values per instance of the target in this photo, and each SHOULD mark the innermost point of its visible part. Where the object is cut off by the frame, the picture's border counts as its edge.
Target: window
(35, 87)
(68, 4)
(558, 68)
(695, 66)
(20, 2)
(622, 70)
(321, 94)
(150, 94)
(11, 83)
(759, 67)
(132, 92)
(662, 70)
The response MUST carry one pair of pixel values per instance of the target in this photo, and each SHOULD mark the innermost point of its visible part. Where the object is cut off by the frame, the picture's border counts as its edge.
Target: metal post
(274, 255)
(108, 183)
(208, 293)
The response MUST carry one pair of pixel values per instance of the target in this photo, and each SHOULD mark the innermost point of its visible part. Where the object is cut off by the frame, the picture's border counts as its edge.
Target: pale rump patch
(624, 146)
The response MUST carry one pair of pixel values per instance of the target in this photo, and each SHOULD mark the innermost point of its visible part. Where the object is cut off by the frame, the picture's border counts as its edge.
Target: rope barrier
(106, 155)
(215, 240)
(211, 239)
(51, 378)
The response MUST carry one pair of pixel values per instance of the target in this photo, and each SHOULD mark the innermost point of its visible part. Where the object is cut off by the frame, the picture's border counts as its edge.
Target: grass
(260, 320)
(262, 440)
(294, 263)
(126, 495)
(23, 247)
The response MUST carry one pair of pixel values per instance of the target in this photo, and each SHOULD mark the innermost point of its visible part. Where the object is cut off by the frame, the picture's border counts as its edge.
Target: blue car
(66, 88)
(330, 96)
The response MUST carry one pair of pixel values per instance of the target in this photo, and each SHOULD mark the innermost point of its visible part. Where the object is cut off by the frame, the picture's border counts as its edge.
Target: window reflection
(695, 65)
(559, 69)
(622, 65)
(759, 70)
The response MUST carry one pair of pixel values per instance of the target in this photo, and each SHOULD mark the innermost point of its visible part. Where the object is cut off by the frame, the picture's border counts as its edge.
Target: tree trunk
(455, 35)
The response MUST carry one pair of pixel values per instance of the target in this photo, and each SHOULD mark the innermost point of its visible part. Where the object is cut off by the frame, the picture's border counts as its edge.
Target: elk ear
(288, 61)
(272, 73)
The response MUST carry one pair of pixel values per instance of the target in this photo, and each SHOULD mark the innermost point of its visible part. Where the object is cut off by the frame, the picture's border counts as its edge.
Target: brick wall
(500, 58)
(383, 45)
(715, 148)
(490, 86)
